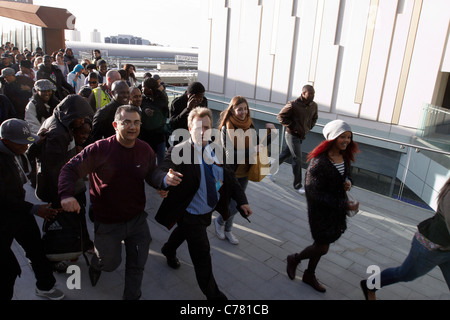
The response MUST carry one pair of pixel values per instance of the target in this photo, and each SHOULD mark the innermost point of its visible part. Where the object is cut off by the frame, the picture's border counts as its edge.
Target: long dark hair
(126, 67)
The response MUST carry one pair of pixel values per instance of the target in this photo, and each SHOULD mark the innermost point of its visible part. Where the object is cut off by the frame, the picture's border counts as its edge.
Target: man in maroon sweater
(117, 167)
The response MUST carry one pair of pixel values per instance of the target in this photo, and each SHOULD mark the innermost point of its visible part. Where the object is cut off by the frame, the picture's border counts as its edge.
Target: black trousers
(25, 231)
(192, 228)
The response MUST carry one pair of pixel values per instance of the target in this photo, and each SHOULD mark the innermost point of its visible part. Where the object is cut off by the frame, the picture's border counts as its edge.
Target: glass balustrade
(406, 168)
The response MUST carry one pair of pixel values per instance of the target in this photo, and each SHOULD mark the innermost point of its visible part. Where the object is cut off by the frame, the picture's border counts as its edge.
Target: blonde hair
(199, 112)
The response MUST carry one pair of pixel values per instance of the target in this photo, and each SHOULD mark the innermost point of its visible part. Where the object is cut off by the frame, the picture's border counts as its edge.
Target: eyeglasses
(93, 82)
(128, 123)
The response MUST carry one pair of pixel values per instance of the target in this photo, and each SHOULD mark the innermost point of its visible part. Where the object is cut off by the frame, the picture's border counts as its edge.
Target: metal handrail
(402, 144)
(438, 110)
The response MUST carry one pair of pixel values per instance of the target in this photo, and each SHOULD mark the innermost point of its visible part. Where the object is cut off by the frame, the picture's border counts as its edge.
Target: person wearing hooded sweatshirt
(76, 78)
(18, 222)
(58, 148)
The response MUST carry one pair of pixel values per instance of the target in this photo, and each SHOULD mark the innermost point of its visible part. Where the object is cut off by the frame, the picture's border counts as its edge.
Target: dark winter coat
(59, 144)
(326, 198)
(7, 110)
(14, 208)
(179, 112)
(102, 126)
(152, 130)
(19, 93)
(55, 76)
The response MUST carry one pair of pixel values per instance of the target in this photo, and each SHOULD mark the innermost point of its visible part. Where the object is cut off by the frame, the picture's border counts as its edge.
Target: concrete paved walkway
(380, 234)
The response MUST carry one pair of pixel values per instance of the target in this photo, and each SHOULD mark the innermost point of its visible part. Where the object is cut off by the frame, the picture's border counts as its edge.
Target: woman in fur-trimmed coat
(327, 180)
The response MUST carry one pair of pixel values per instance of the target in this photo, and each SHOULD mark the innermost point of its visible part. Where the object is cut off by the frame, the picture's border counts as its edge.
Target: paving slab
(380, 234)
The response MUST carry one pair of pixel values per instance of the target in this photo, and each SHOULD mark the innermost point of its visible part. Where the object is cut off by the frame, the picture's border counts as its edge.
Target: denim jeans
(160, 152)
(232, 207)
(419, 262)
(293, 147)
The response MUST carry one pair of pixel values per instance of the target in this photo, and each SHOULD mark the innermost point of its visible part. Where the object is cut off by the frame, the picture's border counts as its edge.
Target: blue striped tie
(211, 193)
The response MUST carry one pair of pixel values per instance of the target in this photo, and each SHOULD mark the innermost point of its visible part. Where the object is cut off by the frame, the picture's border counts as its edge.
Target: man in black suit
(193, 168)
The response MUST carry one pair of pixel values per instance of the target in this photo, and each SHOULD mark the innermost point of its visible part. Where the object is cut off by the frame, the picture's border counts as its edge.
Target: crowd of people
(65, 122)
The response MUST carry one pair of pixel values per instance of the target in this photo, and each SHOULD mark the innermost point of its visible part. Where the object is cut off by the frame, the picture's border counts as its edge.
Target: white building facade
(373, 63)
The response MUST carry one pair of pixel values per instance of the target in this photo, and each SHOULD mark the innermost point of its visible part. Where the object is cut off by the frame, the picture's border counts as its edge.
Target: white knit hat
(335, 128)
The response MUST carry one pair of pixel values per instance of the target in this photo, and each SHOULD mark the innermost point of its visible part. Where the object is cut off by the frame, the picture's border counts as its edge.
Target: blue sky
(166, 22)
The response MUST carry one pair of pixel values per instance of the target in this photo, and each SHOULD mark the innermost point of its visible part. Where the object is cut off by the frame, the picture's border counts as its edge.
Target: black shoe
(291, 266)
(366, 291)
(94, 275)
(172, 260)
(60, 266)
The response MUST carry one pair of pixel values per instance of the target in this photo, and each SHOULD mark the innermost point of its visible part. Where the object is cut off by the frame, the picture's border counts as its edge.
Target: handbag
(63, 237)
(260, 168)
(351, 198)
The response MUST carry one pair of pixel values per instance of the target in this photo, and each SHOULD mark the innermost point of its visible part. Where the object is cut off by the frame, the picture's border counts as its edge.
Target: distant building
(96, 36)
(74, 35)
(127, 39)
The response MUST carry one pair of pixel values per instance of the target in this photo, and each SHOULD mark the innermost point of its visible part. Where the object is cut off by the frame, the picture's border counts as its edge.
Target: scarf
(41, 109)
(235, 123)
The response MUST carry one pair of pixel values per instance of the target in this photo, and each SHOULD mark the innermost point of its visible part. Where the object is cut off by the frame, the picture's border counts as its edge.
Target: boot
(368, 293)
(310, 278)
(292, 264)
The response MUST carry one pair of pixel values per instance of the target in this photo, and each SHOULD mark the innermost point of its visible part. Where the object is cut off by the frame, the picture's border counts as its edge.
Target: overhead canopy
(42, 16)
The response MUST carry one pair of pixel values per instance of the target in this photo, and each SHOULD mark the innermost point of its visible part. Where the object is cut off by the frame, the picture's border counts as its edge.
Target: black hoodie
(59, 145)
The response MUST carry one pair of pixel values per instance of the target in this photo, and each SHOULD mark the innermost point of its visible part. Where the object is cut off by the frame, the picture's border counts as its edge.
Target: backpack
(63, 237)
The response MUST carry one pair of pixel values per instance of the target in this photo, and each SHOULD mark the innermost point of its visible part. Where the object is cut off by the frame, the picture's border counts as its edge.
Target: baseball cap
(8, 72)
(44, 85)
(17, 131)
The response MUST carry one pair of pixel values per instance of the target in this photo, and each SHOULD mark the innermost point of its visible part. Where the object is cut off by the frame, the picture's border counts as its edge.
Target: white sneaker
(273, 170)
(231, 237)
(219, 230)
(53, 294)
(301, 190)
